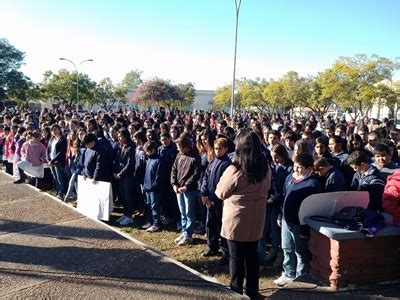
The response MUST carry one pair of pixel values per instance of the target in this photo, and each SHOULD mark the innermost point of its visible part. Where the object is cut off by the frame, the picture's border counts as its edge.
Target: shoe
(278, 261)
(167, 221)
(126, 221)
(210, 253)
(153, 228)
(146, 226)
(224, 260)
(273, 252)
(185, 241)
(120, 219)
(283, 280)
(200, 229)
(60, 196)
(178, 239)
(18, 181)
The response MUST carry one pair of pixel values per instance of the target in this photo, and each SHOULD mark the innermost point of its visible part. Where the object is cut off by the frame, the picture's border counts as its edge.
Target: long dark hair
(249, 159)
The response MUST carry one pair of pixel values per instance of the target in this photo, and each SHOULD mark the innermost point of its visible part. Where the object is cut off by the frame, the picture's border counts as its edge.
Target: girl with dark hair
(123, 172)
(243, 188)
(322, 150)
(139, 139)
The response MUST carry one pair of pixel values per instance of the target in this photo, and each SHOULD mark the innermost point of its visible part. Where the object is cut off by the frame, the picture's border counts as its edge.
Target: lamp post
(237, 7)
(77, 74)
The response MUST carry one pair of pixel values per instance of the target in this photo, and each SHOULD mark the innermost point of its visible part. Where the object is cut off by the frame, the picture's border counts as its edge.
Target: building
(204, 100)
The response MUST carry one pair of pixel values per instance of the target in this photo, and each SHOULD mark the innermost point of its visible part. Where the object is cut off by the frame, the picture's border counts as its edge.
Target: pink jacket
(34, 153)
(391, 197)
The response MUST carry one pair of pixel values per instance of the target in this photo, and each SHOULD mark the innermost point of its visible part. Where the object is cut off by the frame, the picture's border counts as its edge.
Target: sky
(193, 40)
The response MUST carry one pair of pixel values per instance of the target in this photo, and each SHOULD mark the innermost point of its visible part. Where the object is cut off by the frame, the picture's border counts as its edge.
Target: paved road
(49, 250)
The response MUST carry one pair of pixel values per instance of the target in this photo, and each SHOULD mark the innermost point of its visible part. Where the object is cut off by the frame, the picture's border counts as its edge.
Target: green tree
(107, 94)
(317, 101)
(223, 96)
(252, 94)
(274, 93)
(13, 83)
(187, 94)
(61, 88)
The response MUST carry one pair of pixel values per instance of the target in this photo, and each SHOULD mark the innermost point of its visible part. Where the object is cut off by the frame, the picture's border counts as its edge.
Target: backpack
(365, 220)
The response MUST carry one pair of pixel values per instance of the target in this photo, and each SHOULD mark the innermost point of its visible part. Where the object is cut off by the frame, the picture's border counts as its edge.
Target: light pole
(77, 74)
(237, 7)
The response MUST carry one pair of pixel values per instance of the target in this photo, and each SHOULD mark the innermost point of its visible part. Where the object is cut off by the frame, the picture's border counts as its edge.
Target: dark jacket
(186, 170)
(372, 182)
(279, 175)
(60, 150)
(212, 176)
(153, 178)
(94, 165)
(140, 164)
(295, 193)
(124, 162)
(168, 154)
(333, 181)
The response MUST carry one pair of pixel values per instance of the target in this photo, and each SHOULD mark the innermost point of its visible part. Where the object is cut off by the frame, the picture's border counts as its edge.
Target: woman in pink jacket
(243, 188)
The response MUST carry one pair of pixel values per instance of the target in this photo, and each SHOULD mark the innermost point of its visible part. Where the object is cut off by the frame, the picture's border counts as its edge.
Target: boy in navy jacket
(153, 181)
(211, 178)
(367, 178)
(298, 186)
(331, 179)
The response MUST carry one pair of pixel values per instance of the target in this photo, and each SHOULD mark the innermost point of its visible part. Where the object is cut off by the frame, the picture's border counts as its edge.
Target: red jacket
(391, 197)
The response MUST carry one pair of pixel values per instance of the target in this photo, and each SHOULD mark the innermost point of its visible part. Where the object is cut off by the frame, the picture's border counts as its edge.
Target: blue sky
(192, 40)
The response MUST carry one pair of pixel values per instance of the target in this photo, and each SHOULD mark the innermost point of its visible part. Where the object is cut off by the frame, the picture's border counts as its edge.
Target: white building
(204, 100)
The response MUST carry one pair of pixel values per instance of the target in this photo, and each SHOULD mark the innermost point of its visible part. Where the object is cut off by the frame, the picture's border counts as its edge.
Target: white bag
(95, 200)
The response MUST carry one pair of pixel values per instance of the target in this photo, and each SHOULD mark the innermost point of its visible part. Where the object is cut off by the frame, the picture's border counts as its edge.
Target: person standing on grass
(211, 178)
(56, 156)
(123, 174)
(152, 186)
(243, 188)
(184, 177)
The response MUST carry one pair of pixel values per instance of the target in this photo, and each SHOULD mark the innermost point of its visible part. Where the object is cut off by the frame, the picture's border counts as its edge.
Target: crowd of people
(240, 178)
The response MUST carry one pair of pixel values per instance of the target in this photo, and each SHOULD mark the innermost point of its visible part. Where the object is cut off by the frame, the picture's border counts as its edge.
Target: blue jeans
(295, 251)
(187, 204)
(153, 207)
(59, 179)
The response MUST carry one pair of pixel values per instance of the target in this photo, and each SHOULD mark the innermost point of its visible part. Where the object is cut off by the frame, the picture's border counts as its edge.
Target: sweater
(186, 170)
(153, 178)
(34, 153)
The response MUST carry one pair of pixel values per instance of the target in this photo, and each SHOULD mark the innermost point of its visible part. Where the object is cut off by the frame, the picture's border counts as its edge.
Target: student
(331, 179)
(383, 161)
(290, 139)
(94, 163)
(56, 156)
(139, 139)
(274, 138)
(19, 140)
(298, 186)
(167, 152)
(281, 167)
(124, 174)
(211, 178)
(152, 186)
(184, 177)
(374, 138)
(367, 178)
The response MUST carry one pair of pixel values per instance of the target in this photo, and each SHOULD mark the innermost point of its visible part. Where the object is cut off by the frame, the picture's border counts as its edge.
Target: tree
(61, 87)
(187, 94)
(107, 94)
(132, 79)
(157, 91)
(223, 96)
(12, 81)
(317, 101)
(252, 94)
(351, 81)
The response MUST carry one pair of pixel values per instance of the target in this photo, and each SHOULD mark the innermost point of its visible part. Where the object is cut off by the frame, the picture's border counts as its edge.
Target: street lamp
(237, 6)
(77, 74)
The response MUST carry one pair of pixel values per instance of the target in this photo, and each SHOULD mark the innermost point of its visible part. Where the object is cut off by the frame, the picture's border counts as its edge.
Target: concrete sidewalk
(48, 250)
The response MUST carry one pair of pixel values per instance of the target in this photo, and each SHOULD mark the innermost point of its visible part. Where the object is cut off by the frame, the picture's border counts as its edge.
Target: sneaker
(167, 221)
(18, 181)
(210, 253)
(146, 226)
(120, 219)
(153, 228)
(126, 221)
(283, 280)
(178, 239)
(185, 241)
